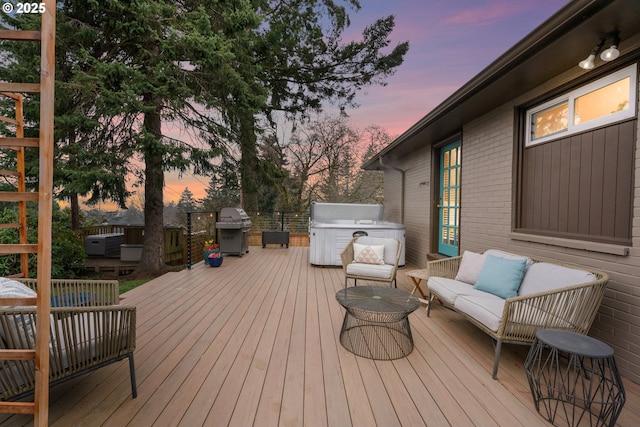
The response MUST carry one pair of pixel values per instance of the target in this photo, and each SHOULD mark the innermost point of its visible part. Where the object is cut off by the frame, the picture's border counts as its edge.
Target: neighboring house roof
(555, 46)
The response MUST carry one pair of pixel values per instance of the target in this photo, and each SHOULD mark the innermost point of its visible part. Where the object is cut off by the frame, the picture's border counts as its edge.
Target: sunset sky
(450, 41)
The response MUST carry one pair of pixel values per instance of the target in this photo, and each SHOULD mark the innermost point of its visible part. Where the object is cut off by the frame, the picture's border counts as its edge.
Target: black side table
(574, 379)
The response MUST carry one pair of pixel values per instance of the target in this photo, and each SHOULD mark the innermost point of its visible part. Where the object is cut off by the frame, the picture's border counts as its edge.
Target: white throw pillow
(14, 289)
(368, 254)
(470, 267)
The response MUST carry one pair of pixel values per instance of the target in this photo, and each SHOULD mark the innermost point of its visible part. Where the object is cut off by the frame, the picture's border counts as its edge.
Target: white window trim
(630, 71)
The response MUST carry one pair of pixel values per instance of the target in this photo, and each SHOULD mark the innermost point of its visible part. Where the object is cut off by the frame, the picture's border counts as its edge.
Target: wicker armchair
(88, 330)
(380, 273)
(572, 308)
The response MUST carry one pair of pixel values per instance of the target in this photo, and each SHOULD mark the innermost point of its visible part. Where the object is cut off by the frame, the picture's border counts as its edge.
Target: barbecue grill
(233, 225)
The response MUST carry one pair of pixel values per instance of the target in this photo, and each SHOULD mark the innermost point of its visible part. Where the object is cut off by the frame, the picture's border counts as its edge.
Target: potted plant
(212, 253)
(215, 259)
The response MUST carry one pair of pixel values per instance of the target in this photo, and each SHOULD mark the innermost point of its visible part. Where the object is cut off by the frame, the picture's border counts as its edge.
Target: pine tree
(151, 63)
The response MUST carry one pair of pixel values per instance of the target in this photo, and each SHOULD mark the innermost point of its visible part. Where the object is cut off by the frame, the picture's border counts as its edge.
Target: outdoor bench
(82, 338)
(510, 306)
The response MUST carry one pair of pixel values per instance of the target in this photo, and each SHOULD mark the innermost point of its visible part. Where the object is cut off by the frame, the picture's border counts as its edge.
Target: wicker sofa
(550, 295)
(89, 329)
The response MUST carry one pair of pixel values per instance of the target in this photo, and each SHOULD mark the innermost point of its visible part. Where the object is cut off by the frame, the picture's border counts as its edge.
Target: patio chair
(371, 258)
(89, 330)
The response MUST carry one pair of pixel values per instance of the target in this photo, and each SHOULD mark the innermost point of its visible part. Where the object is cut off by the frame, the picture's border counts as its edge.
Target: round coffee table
(376, 323)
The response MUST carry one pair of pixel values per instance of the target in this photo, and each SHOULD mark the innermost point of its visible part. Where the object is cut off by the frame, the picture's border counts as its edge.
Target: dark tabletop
(377, 299)
(575, 343)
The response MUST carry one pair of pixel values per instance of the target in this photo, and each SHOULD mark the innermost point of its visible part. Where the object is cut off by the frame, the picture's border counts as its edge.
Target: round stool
(574, 379)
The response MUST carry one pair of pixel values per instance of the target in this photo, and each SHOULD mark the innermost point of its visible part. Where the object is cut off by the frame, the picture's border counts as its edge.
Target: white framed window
(606, 100)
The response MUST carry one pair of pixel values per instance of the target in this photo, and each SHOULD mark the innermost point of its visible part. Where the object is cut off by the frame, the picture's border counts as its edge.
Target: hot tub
(333, 225)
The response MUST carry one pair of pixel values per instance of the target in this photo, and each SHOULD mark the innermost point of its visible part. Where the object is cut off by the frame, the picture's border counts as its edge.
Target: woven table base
(376, 340)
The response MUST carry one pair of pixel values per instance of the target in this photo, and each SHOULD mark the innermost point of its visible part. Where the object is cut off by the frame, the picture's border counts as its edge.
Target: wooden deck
(255, 343)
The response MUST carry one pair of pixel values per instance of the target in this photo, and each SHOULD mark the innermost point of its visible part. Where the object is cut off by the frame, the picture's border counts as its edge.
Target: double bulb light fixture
(607, 55)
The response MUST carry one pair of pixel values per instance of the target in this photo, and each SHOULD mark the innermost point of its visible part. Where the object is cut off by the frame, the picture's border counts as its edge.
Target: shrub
(67, 249)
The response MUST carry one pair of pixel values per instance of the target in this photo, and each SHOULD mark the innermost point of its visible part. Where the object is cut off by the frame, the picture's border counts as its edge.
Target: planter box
(275, 237)
(130, 253)
(103, 244)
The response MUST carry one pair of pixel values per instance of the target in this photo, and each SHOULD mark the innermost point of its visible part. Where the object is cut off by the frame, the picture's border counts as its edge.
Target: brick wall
(417, 171)
(487, 181)
(486, 221)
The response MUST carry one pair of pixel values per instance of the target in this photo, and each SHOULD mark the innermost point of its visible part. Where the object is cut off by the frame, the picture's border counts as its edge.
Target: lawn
(127, 285)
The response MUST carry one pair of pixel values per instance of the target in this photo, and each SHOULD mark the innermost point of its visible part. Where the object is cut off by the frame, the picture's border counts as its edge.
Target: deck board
(256, 343)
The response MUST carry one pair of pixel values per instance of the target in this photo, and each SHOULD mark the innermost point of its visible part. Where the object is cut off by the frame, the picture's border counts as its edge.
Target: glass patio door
(449, 203)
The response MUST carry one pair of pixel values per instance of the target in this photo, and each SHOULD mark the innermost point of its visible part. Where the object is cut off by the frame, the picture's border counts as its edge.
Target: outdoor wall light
(612, 52)
(608, 54)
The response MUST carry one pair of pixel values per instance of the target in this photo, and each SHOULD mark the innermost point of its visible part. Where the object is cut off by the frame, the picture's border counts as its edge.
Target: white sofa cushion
(486, 309)
(449, 289)
(508, 255)
(372, 270)
(470, 267)
(545, 276)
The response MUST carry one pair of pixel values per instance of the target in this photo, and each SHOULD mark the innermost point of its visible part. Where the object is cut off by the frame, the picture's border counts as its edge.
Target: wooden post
(45, 191)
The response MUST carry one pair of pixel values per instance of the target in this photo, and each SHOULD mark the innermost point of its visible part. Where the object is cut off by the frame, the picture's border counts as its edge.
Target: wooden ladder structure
(45, 143)
(19, 175)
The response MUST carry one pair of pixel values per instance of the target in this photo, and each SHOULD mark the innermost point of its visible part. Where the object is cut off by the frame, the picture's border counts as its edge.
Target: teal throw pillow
(501, 277)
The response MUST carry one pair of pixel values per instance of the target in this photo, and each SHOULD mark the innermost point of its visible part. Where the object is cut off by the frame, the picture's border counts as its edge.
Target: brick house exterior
(487, 117)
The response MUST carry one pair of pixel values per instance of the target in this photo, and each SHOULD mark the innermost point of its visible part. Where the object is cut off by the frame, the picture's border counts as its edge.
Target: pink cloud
(174, 185)
(486, 14)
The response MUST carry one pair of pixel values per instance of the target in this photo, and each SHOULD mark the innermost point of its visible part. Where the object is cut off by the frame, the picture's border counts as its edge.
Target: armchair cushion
(13, 289)
(370, 270)
(368, 254)
(391, 247)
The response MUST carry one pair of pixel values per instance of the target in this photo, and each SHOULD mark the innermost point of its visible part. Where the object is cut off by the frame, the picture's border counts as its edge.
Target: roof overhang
(554, 47)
